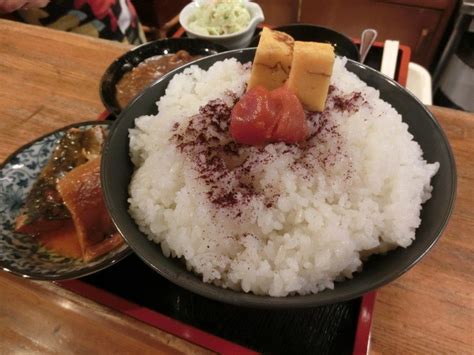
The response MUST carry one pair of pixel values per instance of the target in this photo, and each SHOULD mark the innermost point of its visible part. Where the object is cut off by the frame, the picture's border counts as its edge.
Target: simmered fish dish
(65, 210)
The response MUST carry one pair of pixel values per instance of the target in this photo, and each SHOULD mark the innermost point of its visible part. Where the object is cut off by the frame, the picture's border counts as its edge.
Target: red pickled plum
(263, 116)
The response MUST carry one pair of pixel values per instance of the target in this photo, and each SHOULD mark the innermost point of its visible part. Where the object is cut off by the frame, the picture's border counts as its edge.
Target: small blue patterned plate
(21, 254)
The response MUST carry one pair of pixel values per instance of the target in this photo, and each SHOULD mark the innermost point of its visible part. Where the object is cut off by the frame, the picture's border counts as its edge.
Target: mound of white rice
(281, 219)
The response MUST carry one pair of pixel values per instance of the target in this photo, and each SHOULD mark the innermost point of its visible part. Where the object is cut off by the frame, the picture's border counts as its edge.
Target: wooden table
(49, 79)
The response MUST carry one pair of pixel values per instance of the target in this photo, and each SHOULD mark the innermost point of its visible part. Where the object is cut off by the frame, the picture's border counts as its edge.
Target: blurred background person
(7, 6)
(109, 19)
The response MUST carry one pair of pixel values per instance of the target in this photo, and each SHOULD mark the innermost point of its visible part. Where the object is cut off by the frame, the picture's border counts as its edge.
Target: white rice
(312, 215)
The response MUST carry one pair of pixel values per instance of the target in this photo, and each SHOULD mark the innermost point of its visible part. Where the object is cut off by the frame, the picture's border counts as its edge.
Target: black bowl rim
(73, 274)
(296, 25)
(110, 102)
(251, 300)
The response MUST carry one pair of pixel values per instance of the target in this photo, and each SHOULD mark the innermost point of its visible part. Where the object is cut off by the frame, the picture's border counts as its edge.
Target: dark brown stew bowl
(376, 272)
(135, 56)
(343, 45)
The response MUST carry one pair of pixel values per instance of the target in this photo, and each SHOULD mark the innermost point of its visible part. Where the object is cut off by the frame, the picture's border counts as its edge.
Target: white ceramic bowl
(235, 40)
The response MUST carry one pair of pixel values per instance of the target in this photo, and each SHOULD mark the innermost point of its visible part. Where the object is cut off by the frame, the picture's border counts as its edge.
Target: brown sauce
(62, 240)
(140, 77)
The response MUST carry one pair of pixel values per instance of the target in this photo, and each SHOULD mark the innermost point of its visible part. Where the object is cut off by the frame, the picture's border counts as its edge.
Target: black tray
(322, 330)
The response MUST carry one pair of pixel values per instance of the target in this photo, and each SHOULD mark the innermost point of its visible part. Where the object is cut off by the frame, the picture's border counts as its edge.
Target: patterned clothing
(110, 19)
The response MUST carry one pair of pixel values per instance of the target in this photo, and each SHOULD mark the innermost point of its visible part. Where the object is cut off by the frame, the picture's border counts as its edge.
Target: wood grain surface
(40, 317)
(49, 79)
(430, 309)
